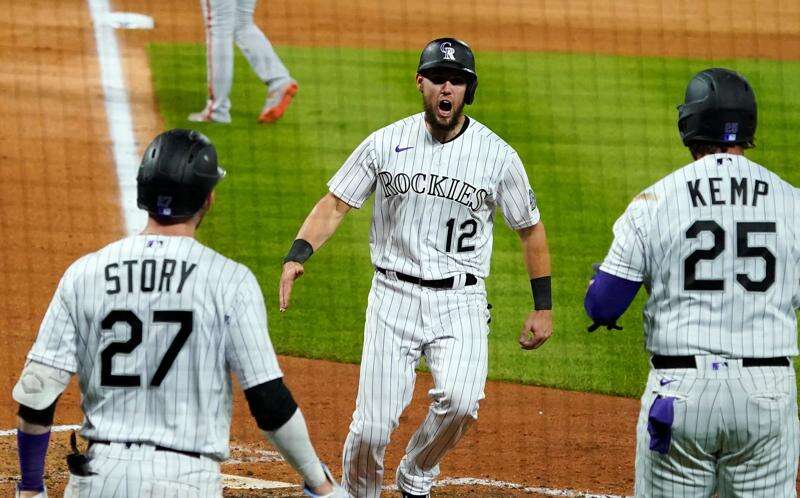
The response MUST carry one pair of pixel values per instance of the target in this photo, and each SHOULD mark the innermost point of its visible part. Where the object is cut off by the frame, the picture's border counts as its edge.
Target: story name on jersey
(434, 185)
(148, 275)
(716, 192)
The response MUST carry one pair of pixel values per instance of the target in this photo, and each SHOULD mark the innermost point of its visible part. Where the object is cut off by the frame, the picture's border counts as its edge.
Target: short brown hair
(700, 149)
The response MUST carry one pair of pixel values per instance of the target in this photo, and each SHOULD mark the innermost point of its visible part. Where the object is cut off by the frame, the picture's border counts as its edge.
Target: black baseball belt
(128, 444)
(442, 283)
(660, 362)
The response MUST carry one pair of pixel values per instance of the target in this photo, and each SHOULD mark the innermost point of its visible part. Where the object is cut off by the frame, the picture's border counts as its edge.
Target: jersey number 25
(743, 250)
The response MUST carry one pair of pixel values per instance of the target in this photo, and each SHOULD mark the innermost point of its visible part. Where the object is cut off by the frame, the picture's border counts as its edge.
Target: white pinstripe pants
(405, 321)
(228, 22)
(735, 432)
(142, 472)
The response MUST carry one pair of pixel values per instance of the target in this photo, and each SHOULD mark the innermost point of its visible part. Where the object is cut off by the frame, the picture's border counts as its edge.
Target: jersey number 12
(468, 230)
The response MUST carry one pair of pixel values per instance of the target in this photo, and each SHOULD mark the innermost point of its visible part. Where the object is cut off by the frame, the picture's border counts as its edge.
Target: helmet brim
(430, 66)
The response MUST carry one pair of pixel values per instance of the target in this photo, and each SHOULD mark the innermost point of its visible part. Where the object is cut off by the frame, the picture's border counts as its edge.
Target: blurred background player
(226, 22)
(717, 245)
(153, 325)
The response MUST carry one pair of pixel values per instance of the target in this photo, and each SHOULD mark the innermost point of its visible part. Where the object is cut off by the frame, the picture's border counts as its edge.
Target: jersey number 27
(108, 379)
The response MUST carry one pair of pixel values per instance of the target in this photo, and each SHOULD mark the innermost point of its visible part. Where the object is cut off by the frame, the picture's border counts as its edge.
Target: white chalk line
(118, 113)
(55, 428)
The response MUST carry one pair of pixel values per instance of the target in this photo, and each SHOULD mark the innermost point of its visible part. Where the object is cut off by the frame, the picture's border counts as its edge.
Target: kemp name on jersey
(735, 191)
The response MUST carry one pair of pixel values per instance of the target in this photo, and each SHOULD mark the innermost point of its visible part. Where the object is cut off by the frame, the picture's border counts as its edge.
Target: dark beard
(430, 117)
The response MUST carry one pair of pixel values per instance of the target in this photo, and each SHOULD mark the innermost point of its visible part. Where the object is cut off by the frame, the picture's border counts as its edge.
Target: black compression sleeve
(39, 417)
(271, 404)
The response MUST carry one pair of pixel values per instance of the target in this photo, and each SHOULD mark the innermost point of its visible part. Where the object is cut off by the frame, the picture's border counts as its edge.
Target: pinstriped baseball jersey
(435, 202)
(717, 244)
(153, 325)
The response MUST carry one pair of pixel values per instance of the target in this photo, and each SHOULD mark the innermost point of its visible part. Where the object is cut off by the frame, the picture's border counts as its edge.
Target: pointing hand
(292, 270)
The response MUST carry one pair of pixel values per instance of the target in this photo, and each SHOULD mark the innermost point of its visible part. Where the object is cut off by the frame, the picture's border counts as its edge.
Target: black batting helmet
(178, 171)
(719, 108)
(450, 53)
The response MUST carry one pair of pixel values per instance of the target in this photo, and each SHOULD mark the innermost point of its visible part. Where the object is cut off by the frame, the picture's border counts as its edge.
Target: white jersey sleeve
(627, 257)
(515, 195)
(355, 180)
(248, 350)
(56, 342)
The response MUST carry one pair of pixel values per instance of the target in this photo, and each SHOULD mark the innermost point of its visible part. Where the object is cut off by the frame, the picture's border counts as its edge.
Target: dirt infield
(59, 199)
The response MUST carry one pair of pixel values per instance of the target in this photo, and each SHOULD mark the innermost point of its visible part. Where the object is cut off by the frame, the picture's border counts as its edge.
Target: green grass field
(592, 130)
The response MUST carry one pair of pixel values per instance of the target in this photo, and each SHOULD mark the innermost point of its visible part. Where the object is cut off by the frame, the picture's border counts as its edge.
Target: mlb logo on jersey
(162, 205)
(731, 129)
(532, 198)
(448, 51)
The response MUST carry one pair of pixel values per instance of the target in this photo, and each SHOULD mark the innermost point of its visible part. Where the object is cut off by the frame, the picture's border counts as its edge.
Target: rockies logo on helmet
(448, 51)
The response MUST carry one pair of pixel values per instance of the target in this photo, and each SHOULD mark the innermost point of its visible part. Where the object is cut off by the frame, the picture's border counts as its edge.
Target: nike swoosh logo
(664, 382)
(399, 149)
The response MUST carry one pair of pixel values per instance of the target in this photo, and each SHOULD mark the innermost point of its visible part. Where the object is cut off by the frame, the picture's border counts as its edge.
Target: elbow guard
(40, 385)
(271, 404)
(37, 392)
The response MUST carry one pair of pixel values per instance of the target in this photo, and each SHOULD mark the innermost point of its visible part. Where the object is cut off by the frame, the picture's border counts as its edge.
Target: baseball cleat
(207, 117)
(409, 495)
(41, 494)
(277, 102)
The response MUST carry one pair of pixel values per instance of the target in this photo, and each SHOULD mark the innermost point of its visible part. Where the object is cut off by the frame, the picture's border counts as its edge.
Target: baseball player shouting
(717, 245)
(438, 177)
(152, 325)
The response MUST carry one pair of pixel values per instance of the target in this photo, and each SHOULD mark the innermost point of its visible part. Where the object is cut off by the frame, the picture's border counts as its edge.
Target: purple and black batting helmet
(450, 53)
(178, 171)
(719, 108)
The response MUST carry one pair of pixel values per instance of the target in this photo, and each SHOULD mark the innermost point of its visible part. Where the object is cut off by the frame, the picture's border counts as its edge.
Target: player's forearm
(322, 222)
(32, 443)
(608, 297)
(280, 420)
(30, 428)
(294, 444)
(535, 251)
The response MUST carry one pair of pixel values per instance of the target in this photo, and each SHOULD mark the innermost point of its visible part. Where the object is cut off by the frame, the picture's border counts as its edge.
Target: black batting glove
(609, 326)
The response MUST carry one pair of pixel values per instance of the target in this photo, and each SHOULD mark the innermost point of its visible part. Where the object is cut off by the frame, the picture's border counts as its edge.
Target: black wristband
(300, 251)
(542, 298)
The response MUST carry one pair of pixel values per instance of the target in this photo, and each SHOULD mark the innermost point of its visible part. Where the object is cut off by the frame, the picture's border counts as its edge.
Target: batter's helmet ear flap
(451, 53)
(471, 89)
(719, 108)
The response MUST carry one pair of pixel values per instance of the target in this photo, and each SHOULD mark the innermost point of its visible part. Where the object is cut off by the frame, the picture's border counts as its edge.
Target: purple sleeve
(608, 297)
(32, 450)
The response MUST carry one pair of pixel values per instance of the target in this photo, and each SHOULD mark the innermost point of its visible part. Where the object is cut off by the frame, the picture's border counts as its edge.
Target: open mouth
(445, 105)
